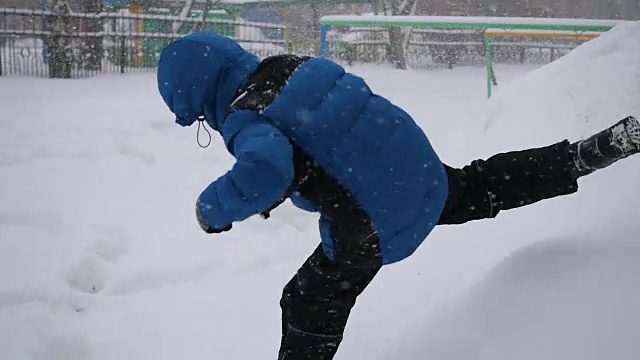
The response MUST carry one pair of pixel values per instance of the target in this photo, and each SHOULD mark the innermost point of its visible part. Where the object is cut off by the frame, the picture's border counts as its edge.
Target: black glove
(204, 225)
(267, 214)
(209, 230)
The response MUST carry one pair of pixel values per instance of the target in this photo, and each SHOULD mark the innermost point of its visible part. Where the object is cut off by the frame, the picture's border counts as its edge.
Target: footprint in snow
(90, 274)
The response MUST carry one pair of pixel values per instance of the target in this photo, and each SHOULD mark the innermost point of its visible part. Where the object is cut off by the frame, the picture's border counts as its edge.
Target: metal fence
(63, 44)
(72, 45)
(427, 48)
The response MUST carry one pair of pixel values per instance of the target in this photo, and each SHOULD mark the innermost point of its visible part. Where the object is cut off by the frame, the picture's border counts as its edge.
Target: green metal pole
(488, 60)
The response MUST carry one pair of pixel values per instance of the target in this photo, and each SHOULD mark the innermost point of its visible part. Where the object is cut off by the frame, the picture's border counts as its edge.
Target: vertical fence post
(2, 49)
(94, 41)
(61, 57)
(1, 53)
(324, 30)
(123, 53)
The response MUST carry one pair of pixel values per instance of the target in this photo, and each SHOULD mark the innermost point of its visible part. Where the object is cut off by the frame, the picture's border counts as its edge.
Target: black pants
(316, 303)
(509, 180)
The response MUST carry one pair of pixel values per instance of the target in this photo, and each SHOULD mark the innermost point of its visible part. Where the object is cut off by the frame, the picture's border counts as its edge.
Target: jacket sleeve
(261, 176)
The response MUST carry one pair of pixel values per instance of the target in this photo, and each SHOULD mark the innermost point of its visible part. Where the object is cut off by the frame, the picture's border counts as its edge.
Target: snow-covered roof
(479, 21)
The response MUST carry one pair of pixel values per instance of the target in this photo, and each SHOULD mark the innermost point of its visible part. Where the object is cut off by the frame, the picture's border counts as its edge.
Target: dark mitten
(210, 230)
(204, 225)
(267, 213)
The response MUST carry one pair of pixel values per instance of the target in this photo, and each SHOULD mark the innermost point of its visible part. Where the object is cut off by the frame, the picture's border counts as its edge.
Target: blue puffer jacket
(373, 148)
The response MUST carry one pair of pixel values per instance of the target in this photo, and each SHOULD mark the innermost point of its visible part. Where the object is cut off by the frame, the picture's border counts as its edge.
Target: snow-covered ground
(101, 257)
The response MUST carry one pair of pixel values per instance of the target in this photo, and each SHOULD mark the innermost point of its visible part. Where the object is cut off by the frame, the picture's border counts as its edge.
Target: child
(304, 129)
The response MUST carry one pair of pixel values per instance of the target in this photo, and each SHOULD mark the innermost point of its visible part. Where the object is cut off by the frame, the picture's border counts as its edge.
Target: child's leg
(508, 180)
(316, 303)
(519, 178)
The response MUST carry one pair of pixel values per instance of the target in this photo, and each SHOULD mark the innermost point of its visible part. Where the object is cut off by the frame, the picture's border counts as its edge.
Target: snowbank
(555, 300)
(575, 296)
(574, 96)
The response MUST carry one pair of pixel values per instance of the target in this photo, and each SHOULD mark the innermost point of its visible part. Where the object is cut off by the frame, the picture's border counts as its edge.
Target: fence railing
(427, 48)
(71, 45)
(450, 40)
(64, 44)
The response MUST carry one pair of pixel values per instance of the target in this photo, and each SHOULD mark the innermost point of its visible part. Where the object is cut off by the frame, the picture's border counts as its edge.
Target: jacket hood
(200, 74)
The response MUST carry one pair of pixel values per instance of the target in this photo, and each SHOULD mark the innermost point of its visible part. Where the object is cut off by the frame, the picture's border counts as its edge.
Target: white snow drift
(101, 257)
(575, 295)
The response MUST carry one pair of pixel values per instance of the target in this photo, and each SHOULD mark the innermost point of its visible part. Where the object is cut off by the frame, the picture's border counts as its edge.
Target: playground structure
(548, 33)
(166, 21)
(299, 18)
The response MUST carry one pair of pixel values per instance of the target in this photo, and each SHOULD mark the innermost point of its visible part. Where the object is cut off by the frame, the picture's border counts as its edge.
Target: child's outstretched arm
(260, 178)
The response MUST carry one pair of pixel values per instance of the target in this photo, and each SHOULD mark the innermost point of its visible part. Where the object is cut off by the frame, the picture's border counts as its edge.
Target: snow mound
(101, 257)
(580, 93)
(562, 299)
(574, 297)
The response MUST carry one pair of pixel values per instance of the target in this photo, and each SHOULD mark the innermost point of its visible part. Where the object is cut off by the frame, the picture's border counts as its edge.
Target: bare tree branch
(402, 6)
(203, 16)
(408, 31)
(186, 9)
